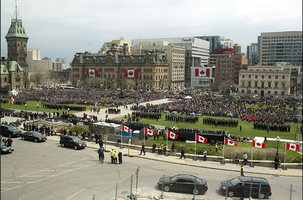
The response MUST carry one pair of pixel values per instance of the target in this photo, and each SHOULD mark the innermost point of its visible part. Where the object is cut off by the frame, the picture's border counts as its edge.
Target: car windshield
(36, 134)
(12, 128)
(76, 139)
(235, 181)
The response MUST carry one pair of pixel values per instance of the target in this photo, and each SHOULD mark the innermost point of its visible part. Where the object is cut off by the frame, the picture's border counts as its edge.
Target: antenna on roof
(16, 10)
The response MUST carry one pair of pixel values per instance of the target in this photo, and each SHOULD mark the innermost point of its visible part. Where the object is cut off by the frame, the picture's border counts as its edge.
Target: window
(283, 77)
(269, 76)
(276, 84)
(256, 76)
(262, 84)
(249, 76)
(243, 76)
(262, 76)
(269, 84)
(249, 84)
(276, 77)
(256, 84)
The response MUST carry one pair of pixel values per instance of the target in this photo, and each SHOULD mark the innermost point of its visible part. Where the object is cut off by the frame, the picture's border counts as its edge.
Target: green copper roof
(16, 29)
(104, 47)
(4, 68)
(13, 66)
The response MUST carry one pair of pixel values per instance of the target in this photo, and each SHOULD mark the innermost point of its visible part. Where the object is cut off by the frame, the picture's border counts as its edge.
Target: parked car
(10, 131)
(33, 136)
(72, 141)
(5, 148)
(235, 187)
(183, 183)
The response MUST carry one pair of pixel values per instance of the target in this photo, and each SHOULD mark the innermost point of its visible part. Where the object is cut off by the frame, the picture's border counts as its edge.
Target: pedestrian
(115, 155)
(142, 149)
(276, 161)
(112, 156)
(216, 147)
(245, 158)
(182, 153)
(242, 170)
(100, 143)
(173, 147)
(265, 139)
(154, 148)
(101, 154)
(96, 138)
(165, 149)
(9, 142)
(237, 159)
(120, 157)
(204, 155)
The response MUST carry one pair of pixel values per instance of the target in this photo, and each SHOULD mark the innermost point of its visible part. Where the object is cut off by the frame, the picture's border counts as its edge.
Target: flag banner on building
(13, 101)
(149, 132)
(172, 135)
(133, 73)
(91, 73)
(258, 144)
(125, 128)
(292, 146)
(229, 142)
(203, 72)
(200, 139)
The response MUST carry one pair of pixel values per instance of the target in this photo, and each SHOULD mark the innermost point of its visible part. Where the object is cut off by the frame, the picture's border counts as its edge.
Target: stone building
(265, 80)
(12, 76)
(119, 70)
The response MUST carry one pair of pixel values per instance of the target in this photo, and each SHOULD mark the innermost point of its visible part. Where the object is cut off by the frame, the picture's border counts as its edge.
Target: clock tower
(16, 39)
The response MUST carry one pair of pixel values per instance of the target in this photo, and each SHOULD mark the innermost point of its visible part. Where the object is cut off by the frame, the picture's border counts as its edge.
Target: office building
(252, 54)
(214, 42)
(281, 47)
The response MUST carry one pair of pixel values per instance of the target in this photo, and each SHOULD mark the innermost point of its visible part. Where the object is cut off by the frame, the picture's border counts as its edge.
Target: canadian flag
(172, 135)
(229, 142)
(149, 132)
(125, 128)
(202, 72)
(292, 146)
(258, 144)
(133, 73)
(13, 101)
(91, 73)
(200, 139)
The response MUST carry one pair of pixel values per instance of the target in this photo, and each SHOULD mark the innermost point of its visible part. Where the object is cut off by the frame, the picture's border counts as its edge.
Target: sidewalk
(193, 163)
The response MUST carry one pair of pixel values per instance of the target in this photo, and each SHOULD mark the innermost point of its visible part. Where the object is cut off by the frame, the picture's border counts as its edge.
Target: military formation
(182, 118)
(220, 122)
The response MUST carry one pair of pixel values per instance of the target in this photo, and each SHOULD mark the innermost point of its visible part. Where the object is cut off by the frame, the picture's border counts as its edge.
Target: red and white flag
(229, 142)
(133, 73)
(13, 101)
(203, 72)
(125, 128)
(292, 146)
(258, 144)
(172, 135)
(200, 139)
(91, 73)
(149, 132)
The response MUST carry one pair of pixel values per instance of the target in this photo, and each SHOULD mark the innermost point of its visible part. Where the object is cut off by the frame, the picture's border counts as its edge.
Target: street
(48, 171)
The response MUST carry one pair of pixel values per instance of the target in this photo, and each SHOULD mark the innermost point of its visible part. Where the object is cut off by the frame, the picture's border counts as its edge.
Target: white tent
(13, 92)
(188, 97)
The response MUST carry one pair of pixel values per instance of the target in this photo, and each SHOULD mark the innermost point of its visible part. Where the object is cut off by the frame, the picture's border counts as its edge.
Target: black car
(10, 131)
(183, 183)
(33, 136)
(72, 141)
(236, 186)
(5, 148)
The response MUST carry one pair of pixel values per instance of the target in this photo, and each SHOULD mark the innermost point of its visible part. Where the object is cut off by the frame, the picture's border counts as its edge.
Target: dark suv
(235, 187)
(72, 141)
(10, 131)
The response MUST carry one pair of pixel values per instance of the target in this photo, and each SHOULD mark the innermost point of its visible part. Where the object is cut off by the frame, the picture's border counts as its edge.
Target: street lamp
(37, 114)
(278, 140)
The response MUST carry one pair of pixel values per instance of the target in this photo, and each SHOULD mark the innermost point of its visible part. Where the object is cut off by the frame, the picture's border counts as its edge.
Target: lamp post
(278, 140)
(37, 114)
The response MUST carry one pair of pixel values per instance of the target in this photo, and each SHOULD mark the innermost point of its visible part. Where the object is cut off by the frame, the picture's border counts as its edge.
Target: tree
(224, 86)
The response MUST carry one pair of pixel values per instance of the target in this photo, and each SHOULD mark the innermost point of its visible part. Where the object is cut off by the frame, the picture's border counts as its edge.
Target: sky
(61, 28)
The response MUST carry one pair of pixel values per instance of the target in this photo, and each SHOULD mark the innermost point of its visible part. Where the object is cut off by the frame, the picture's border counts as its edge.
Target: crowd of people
(220, 122)
(182, 118)
(272, 127)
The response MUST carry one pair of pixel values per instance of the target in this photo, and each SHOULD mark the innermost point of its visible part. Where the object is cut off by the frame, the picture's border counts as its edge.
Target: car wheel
(195, 191)
(231, 193)
(261, 196)
(62, 144)
(36, 140)
(166, 188)
(75, 147)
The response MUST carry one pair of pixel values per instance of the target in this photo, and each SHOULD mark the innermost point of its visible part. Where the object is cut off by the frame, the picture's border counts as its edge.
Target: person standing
(9, 142)
(182, 153)
(216, 147)
(115, 155)
(112, 156)
(120, 157)
(204, 155)
(245, 158)
(100, 153)
(276, 161)
(154, 148)
(142, 149)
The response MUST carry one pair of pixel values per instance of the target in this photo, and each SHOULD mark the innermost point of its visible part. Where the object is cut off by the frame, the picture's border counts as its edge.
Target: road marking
(75, 194)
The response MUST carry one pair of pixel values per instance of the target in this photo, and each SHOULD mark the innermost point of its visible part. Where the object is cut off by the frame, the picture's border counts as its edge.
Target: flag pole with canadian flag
(290, 146)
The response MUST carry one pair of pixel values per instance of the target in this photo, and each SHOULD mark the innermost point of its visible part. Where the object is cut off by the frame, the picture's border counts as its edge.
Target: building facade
(116, 70)
(227, 68)
(226, 43)
(214, 42)
(252, 54)
(265, 80)
(175, 57)
(196, 52)
(281, 47)
(12, 76)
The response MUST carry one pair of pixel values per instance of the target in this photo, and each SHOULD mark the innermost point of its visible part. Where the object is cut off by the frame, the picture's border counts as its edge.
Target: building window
(249, 84)
(269, 84)
(276, 77)
(269, 76)
(262, 84)
(256, 84)
(262, 76)
(268, 92)
(276, 84)
(283, 77)
(243, 76)
(243, 83)
(256, 76)
(255, 91)
(249, 76)
(242, 91)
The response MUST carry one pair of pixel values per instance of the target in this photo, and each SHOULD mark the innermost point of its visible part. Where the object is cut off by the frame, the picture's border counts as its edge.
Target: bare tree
(224, 86)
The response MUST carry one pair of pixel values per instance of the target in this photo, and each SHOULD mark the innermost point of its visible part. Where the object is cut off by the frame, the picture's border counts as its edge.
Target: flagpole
(144, 137)
(223, 160)
(252, 156)
(285, 156)
(195, 146)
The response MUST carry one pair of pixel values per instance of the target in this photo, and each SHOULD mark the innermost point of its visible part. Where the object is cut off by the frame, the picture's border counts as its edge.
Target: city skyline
(63, 28)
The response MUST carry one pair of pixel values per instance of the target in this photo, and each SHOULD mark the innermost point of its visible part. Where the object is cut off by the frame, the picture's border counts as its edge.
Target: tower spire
(16, 10)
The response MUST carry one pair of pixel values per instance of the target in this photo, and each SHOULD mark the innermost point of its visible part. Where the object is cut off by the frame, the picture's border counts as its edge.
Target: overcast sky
(61, 28)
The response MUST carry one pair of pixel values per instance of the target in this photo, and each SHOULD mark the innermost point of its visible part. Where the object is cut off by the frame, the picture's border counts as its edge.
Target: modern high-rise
(63, 62)
(226, 43)
(281, 47)
(252, 54)
(214, 42)
(196, 52)
(175, 57)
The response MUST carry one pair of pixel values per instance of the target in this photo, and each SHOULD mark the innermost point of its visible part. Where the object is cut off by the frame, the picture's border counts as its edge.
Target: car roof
(186, 176)
(255, 179)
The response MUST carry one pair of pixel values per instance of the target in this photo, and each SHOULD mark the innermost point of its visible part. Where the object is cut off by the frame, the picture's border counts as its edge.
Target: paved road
(46, 171)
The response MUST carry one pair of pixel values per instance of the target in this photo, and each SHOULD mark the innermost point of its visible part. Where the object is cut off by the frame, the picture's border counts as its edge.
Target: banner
(203, 72)
(131, 73)
(91, 73)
